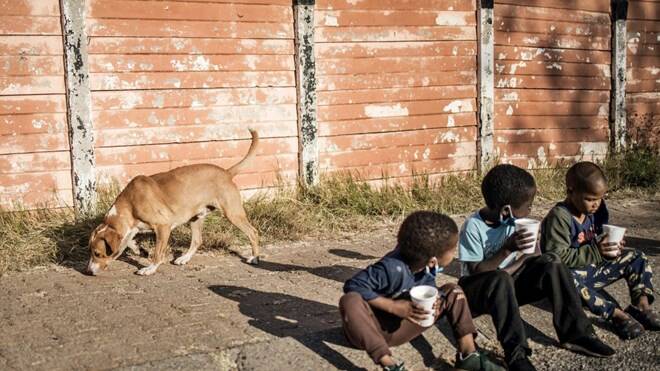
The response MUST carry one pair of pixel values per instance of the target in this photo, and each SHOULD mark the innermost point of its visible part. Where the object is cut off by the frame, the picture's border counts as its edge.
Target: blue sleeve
(369, 282)
(470, 245)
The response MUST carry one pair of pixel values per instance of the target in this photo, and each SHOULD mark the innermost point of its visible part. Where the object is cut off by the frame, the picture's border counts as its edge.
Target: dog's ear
(112, 241)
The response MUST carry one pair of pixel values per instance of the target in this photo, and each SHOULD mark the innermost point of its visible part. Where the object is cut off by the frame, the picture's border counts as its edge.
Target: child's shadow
(284, 315)
(308, 322)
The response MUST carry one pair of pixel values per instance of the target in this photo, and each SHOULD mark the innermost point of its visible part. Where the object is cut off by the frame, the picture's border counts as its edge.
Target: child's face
(525, 209)
(445, 259)
(587, 202)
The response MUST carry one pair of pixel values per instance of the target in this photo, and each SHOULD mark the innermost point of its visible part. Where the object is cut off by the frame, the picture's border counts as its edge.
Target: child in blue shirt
(497, 278)
(571, 231)
(377, 312)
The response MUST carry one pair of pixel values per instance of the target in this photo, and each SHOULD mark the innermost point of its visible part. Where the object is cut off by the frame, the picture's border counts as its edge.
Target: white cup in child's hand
(425, 297)
(614, 234)
(527, 225)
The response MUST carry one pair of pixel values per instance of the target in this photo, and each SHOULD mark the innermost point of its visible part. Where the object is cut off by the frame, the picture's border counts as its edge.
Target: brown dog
(163, 201)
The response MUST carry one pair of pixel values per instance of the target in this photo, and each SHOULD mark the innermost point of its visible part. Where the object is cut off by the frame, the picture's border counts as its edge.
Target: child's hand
(437, 306)
(610, 249)
(408, 310)
(519, 241)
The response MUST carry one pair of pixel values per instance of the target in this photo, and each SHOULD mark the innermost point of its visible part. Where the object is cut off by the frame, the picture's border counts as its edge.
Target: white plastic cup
(527, 225)
(614, 235)
(425, 296)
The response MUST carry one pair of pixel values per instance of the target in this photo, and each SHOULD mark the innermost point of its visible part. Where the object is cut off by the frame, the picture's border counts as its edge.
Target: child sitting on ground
(376, 311)
(497, 278)
(571, 229)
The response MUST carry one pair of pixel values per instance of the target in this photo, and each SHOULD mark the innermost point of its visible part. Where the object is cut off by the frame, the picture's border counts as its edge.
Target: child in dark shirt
(571, 231)
(376, 310)
(497, 277)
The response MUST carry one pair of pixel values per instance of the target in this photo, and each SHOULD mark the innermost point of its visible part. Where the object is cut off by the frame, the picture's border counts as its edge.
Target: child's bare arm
(515, 242)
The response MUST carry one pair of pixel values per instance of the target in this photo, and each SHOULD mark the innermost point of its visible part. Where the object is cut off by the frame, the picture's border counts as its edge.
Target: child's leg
(361, 326)
(455, 307)
(588, 281)
(493, 293)
(546, 277)
(634, 266)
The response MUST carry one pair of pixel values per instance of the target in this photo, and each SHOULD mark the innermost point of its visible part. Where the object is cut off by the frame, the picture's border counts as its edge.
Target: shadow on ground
(307, 322)
(284, 315)
(339, 273)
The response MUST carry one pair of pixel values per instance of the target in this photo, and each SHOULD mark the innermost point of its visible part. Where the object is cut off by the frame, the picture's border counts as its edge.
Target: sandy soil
(218, 313)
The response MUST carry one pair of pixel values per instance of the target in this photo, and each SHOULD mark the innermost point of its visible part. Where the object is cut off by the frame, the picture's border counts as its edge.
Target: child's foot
(589, 345)
(647, 318)
(476, 361)
(521, 364)
(627, 328)
(396, 367)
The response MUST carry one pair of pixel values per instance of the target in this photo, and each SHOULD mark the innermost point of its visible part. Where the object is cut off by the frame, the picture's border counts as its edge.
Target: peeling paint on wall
(374, 111)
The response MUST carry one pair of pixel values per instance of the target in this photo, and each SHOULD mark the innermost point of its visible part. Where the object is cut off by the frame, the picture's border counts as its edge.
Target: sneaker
(589, 345)
(476, 361)
(647, 318)
(397, 367)
(521, 364)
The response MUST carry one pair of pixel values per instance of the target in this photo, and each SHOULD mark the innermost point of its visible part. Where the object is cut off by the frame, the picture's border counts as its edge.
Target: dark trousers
(499, 294)
(375, 331)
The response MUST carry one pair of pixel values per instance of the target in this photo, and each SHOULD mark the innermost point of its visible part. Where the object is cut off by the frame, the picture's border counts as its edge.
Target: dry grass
(338, 204)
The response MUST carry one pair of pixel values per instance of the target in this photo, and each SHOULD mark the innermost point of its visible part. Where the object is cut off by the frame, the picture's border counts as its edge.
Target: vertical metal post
(618, 97)
(78, 97)
(486, 61)
(306, 91)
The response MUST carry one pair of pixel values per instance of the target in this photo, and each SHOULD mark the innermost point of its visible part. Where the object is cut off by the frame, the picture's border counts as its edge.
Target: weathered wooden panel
(520, 53)
(361, 18)
(34, 158)
(180, 82)
(552, 80)
(398, 49)
(190, 46)
(396, 80)
(386, 5)
(396, 86)
(643, 73)
(30, 7)
(328, 98)
(394, 172)
(394, 33)
(188, 63)
(551, 121)
(352, 66)
(600, 6)
(397, 124)
(168, 98)
(122, 9)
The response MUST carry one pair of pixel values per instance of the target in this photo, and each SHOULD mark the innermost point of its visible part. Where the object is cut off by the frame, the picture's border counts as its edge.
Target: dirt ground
(218, 313)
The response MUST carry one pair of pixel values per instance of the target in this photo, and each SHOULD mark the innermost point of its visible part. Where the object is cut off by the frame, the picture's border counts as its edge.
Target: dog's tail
(251, 152)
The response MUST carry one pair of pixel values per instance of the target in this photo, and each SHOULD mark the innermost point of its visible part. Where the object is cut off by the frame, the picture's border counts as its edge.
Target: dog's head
(104, 245)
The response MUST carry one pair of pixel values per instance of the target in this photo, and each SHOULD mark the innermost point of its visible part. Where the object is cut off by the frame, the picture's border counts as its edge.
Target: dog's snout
(92, 268)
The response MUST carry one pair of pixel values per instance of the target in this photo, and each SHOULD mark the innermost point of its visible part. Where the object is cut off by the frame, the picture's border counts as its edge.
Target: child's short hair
(582, 176)
(507, 185)
(424, 235)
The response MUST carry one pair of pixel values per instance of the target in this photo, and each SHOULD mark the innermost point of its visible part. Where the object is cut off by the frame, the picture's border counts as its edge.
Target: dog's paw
(183, 259)
(254, 260)
(148, 270)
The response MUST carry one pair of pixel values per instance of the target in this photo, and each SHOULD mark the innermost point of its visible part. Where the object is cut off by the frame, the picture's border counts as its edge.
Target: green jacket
(556, 239)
